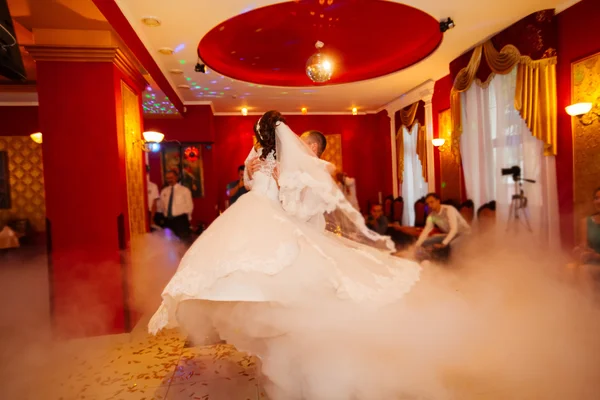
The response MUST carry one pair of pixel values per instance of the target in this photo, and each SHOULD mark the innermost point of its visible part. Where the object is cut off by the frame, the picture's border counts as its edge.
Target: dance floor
(138, 366)
(133, 367)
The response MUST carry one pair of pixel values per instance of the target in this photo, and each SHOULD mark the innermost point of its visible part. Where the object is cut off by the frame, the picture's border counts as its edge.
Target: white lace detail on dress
(303, 196)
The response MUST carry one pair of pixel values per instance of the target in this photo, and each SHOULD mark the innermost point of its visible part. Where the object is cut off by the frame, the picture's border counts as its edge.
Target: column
(88, 97)
(429, 130)
(394, 155)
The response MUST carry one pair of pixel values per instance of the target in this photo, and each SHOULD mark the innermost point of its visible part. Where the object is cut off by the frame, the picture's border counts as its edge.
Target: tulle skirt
(334, 320)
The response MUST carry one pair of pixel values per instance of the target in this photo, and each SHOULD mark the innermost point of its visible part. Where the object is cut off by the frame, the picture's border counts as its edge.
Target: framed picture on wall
(186, 161)
(5, 202)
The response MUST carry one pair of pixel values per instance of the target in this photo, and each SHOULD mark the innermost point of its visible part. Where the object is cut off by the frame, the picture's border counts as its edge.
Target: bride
(311, 304)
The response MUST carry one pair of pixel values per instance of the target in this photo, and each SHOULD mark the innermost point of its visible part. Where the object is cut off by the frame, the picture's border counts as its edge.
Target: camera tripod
(518, 211)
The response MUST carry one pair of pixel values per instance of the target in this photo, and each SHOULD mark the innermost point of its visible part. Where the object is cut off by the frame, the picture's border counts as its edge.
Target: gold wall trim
(585, 87)
(136, 195)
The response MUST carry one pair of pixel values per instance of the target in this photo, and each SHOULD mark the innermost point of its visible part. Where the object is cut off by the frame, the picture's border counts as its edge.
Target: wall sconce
(438, 142)
(244, 111)
(151, 141)
(583, 112)
(354, 111)
(36, 137)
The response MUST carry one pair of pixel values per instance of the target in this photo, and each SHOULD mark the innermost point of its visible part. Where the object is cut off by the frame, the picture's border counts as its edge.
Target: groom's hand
(253, 166)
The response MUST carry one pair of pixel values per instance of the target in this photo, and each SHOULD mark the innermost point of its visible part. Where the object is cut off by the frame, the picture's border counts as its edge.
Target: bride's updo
(264, 130)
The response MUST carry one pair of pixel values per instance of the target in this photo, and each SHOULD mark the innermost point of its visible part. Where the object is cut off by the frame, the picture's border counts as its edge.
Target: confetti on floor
(123, 368)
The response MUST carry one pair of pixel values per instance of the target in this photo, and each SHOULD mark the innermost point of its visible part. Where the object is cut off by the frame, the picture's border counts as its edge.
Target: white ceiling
(185, 22)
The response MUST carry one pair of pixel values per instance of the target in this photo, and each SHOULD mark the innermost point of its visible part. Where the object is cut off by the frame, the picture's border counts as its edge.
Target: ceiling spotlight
(447, 24)
(318, 68)
(152, 22)
(167, 51)
(200, 68)
(244, 111)
(354, 111)
(304, 110)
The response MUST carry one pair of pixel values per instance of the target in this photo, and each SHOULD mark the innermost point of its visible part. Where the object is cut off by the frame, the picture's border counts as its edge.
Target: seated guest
(236, 188)
(448, 220)
(377, 221)
(588, 252)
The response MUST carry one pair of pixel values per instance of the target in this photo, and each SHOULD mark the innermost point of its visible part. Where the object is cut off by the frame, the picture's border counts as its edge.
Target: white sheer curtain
(495, 137)
(413, 184)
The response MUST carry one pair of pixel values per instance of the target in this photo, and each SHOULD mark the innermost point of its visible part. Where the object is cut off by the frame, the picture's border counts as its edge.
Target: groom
(315, 141)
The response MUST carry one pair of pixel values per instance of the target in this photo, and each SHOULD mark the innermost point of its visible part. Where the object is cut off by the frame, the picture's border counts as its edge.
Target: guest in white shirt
(177, 204)
(153, 197)
(447, 219)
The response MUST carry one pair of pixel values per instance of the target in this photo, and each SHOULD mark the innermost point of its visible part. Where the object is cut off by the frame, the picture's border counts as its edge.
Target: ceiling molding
(201, 103)
(19, 104)
(67, 53)
(115, 15)
(564, 5)
(422, 92)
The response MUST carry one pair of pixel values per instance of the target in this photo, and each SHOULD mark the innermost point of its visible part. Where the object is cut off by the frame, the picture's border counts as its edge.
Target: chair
(420, 212)
(397, 209)
(467, 210)
(486, 215)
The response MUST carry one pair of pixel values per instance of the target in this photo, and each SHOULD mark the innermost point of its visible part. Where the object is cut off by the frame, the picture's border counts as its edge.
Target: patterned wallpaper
(586, 135)
(26, 181)
(333, 151)
(136, 195)
(449, 159)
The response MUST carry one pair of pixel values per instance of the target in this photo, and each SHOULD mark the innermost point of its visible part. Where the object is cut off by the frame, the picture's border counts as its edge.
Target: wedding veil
(307, 190)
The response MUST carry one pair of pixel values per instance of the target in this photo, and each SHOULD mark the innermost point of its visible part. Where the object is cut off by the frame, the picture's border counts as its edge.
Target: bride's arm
(248, 181)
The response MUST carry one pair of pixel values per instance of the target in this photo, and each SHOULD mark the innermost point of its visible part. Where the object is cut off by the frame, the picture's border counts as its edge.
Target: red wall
(19, 121)
(196, 126)
(366, 150)
(577, 39)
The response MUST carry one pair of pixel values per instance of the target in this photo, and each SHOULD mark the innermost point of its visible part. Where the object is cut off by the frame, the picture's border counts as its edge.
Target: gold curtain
(421, 147)
(408, 114)
(535, 94)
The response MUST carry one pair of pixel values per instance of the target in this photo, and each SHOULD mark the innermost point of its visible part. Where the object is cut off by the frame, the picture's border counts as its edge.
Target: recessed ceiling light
(167, 51)
(151, 21)
(183, 86)
(176, 71)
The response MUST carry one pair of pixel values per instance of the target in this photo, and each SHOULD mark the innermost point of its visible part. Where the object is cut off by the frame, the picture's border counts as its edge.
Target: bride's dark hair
(265, 134)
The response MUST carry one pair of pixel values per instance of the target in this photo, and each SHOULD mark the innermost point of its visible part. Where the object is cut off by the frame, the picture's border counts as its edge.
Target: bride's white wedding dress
(271, 281)
(257, 252)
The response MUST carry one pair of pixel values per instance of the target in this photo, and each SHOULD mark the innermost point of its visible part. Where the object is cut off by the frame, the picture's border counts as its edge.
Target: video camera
(515, 171)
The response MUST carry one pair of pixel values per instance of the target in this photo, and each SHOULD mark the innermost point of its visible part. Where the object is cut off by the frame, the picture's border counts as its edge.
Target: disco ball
(318, 68)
